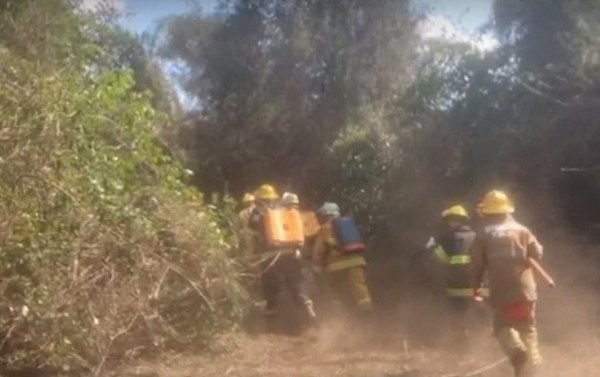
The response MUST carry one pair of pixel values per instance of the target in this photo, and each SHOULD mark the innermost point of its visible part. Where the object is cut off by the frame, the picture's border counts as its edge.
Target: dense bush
(104, 250)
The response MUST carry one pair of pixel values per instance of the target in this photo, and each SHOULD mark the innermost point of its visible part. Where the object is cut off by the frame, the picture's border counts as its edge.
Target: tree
(279, 81)
(513, 117)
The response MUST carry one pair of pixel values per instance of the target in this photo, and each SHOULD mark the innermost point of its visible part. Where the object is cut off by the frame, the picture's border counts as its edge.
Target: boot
(519, 362)
(529, 370)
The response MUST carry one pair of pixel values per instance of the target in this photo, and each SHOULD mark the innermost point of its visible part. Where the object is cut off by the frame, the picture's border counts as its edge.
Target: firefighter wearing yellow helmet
(451, 248)
(245, 237)
(266, 193)
(279, 258)
(502, 250)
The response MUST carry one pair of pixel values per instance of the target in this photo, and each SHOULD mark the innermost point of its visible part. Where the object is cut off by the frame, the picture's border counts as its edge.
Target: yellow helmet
(266, 192)
(248, 198)
(496, 202)
(456, 210)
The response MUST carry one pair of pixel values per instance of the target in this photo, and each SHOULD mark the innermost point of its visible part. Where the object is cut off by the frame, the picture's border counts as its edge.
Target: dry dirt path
(274, 356)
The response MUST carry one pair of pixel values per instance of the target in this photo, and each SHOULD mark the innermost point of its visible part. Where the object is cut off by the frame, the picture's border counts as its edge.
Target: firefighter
(245, 237)
(292, 201)
(451, 248)
(345, 273)
(502, 250)
(248, 205)
(280, 267)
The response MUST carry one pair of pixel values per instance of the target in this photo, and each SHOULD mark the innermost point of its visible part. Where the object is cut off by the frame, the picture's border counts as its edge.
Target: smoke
(413, 306)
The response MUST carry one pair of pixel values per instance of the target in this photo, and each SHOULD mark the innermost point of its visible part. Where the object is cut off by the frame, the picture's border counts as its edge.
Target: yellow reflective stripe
(365, 304)
(440, 254)
(459, 292)
(466, 292)
(346, 263)
(460, 259)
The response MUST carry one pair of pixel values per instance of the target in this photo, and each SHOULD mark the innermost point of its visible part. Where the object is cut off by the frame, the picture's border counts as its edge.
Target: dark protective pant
(458, 307)
(280, 272)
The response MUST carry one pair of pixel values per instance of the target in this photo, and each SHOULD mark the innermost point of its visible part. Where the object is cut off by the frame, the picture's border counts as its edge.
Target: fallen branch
(179, 272)
(194, 287)
(9, 333)
(156, 292)
(113, 337)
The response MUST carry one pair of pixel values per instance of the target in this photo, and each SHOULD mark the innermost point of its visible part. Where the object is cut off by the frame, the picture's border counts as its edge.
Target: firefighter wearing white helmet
(289, 199)
(503, 250)
(310, 227)
(451, 248)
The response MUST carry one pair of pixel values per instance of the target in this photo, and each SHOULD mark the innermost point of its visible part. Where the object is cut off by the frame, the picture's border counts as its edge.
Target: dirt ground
(569, 327)
(335, 351)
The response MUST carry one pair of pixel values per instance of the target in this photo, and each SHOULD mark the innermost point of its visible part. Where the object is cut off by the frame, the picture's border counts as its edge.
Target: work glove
(477, 295)
(431, 243)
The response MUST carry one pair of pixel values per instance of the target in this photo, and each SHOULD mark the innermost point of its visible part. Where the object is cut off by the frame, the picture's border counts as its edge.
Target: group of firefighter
(494, 263)
(292, 245)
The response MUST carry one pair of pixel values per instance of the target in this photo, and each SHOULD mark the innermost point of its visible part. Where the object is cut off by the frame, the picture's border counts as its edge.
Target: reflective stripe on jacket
(466, 292)
(452, 249)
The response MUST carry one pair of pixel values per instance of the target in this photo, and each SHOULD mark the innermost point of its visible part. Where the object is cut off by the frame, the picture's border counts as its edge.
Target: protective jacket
(452, 249)
(327, 255)
(502, 250)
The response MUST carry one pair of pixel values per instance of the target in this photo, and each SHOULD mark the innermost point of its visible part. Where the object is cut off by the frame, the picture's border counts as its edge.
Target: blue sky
(464, 15)
(143, 14)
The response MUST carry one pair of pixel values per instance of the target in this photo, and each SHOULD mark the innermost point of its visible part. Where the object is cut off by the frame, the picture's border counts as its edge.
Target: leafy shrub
(104, 251)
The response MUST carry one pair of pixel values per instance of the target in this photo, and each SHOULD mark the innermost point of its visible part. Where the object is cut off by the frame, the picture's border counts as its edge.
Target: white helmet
(289, 198)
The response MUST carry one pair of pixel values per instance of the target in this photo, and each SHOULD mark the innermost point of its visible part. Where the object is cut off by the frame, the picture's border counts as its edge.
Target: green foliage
(362, 155)
(337, 100)
(105, 251)
(279, 80)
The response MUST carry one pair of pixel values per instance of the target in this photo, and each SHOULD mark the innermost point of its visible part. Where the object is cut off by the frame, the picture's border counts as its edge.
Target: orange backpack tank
(310, 224)
(283, 227)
